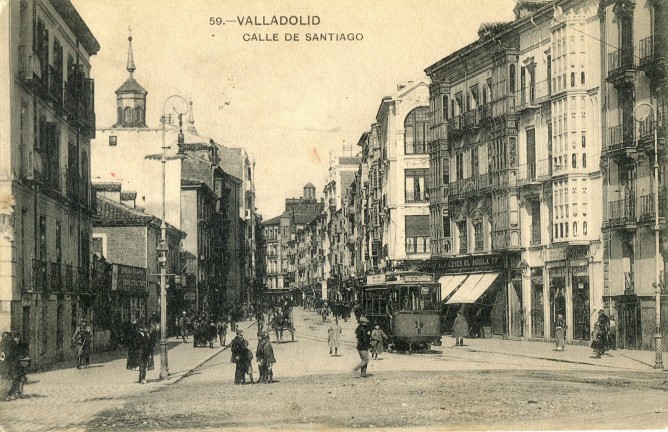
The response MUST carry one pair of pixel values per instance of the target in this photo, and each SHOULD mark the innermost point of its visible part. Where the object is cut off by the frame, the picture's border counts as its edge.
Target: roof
(191, 182)
(304, 219)
(273, 221)
(107, 186)
(131, 86)
(78, 26)
(309, 185)
(128, 195)
(197, 146)
(109, 213)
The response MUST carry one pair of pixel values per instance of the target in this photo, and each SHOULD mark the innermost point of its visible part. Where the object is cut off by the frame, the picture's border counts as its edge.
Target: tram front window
(417, 298)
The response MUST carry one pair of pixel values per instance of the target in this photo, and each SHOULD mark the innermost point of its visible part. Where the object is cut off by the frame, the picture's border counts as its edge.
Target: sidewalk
(578, 354)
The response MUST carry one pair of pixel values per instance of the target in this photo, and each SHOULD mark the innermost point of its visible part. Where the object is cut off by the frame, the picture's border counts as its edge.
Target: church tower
(130, 99)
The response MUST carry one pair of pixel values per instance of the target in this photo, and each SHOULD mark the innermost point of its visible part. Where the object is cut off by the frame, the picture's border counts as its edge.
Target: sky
(290, 104)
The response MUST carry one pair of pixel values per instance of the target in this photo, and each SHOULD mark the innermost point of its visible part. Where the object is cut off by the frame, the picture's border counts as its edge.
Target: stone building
(46, 207)
(633, 81)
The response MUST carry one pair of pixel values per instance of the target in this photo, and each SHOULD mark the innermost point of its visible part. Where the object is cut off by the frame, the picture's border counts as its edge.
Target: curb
(191, 370)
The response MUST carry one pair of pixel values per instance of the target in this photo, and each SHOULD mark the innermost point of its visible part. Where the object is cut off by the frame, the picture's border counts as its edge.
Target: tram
(405, 305)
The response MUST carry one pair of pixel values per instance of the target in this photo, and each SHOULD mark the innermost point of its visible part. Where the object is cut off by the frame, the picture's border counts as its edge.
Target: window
(415, 185)
(463, 244)
(584, 160)
(415, 131)
(42, 238)
(582, 78)
(479, 238)
(445, 107)
(474, 162)
(446, 226)
(113, 140)
(127, 116)
(475, 98)
(511, 72)
(417, 234)
(572, 79)
(139, 116)
(446, 171)
(535, 223)
(574, 160)
(459, 162)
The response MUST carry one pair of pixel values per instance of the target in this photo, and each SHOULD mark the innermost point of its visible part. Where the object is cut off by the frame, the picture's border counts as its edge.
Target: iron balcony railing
(619, 138)
(39, 279)
(619, 60)
(646, 206)
(621, 211)
(415, 196)
(470, 119)
(649, 48)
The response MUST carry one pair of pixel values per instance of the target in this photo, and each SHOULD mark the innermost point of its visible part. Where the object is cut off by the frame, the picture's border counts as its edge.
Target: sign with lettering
(128, 278)
(469, 264)
(376, 279)
(417, 278)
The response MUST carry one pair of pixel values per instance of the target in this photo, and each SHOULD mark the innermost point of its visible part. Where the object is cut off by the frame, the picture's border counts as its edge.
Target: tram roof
(399, 277)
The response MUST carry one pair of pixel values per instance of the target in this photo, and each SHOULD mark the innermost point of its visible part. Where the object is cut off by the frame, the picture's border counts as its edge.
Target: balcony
(621, 213)
(504, 179)
(485, 113)
(39, 280)
(621, 67)
(56, 87)
(534, 172)
(646, 132)
(646, 207)
(416, 197)
(628, 283)
(620, 140)
(503, 106)
(470, 119)
(652, 58)
(55, 277)
(454, 126)
(484, 183)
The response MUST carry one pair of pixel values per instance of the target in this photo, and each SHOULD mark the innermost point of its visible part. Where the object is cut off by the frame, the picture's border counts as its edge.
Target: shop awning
(475, 285)
(449, 284)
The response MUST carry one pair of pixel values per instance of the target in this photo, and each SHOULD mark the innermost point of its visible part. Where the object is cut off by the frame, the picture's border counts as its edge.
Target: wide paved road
(450, 388)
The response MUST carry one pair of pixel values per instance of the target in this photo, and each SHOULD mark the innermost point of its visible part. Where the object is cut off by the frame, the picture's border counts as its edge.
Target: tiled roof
(273, 221)
(110, 213)
(128, 195)
(107, 186)
(158, 156)
(131, 86)
(198, 146)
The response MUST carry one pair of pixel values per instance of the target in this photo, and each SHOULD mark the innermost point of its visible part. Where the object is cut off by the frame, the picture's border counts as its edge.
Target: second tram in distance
(405, 305)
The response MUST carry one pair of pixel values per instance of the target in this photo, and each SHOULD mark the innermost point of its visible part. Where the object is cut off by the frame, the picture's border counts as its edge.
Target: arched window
(139, 120)
(119, 113)
(575, 229)
(127, 116)
(572, 79)
(574, 160)
(415, 131)
(584, 160)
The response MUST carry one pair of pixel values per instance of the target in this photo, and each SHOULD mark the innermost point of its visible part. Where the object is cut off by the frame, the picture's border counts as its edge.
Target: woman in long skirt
(560, 332)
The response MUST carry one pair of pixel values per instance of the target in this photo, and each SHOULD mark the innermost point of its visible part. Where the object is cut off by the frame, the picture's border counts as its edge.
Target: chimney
(129, 198)
(108, 190)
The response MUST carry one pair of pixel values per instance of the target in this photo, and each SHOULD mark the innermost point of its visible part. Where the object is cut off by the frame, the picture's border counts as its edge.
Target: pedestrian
(265, 358)
(221, 326)
(600, 334)
(245, 366)
(613, 333)
(378, 338)
(560, 331)
(19, 354)
(184, 325)
(213, 333)
(144, 344)
(460, 329)
(334, 337)
(357, 310)
(325, 313)
(82, 339)
(6, 363)
(237, 348)
(363, 344)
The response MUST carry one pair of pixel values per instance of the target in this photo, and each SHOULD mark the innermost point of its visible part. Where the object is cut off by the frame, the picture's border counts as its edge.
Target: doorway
(581, 308)
(537, 308)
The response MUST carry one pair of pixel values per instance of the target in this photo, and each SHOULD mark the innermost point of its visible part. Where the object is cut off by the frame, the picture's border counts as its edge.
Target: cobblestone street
(511, 385)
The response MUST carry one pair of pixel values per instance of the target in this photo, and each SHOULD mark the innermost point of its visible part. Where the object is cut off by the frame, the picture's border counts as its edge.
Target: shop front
(486, 289)
(568, 291)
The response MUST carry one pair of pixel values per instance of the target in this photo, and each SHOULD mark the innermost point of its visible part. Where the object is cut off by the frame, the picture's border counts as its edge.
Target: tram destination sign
(417, 278)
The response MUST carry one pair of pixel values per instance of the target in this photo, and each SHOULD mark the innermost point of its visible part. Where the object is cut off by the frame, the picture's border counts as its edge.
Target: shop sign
(567, 253)
(469, 264)
(128, 278)
(375, 279)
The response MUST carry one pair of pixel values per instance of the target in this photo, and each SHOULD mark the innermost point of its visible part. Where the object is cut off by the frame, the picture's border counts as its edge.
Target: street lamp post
(658, 342)
(163, 248)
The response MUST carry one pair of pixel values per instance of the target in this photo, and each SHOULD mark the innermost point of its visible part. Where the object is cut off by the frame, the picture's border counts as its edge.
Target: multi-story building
(127, 239)
(237, 163)
(515, 215)
(47, 122)
(401, 170)
(633, 85)
(341, 174)
(281, 230)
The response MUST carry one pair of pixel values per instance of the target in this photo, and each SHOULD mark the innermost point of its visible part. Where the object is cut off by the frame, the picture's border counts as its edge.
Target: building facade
(633, 80)
(46, 217)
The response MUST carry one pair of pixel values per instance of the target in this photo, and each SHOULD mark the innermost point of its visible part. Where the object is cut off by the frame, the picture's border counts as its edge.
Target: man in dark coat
(145, 342)
(237, 348)
(265, 358)
(363, 343)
